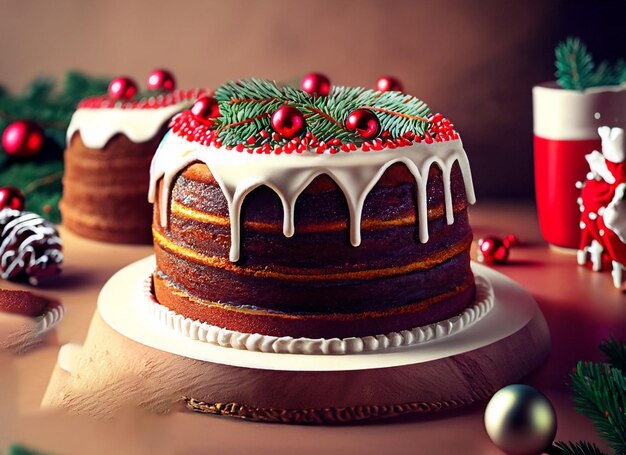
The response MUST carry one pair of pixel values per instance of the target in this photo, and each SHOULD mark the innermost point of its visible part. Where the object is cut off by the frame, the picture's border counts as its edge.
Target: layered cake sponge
(107, 161)
(281, 214)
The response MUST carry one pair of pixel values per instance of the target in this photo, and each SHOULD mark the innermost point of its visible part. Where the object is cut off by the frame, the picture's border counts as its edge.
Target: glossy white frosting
(356, 173)
(98, 126)
(207, 333)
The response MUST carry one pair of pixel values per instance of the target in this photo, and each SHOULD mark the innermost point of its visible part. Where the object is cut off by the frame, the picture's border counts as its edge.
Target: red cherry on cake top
(316, 84)
(288, 121)
(161, 79)
(388, 84)
(122, 88)
(12, 198)
(206, 107)
(364, 122)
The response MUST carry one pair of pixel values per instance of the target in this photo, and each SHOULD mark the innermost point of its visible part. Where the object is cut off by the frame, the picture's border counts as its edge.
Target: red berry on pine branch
(122, 88)
(12, 198)
(288, 121)
(162, 80)
(206, 107)
(364, 122)
(22, 139)
(316, 84)
(388, 84)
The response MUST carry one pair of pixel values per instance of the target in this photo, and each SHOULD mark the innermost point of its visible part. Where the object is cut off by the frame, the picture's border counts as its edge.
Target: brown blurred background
(474, 61)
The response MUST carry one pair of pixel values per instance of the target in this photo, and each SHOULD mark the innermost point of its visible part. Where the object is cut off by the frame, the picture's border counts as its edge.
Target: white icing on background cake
(204, 332)
(98, 125)
(355, 173)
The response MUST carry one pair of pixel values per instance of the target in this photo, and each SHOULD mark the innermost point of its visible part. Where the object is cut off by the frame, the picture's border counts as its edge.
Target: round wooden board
(127, 361)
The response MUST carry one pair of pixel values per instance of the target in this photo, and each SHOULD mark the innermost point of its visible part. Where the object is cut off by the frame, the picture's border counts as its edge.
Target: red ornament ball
(492, 250)
(316, 84)
(162, 80)
(122, 88)
(22, 139)
(206, 107)
(12, 198)
(288, 121)
(364, 122)
(511, 240)
(388, 84)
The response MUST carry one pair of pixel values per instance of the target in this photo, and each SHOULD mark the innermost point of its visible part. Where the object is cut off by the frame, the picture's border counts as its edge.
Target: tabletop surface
(581, 307)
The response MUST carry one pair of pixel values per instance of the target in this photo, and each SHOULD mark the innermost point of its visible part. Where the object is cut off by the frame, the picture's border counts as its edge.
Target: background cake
(110, 143)
(315, 215)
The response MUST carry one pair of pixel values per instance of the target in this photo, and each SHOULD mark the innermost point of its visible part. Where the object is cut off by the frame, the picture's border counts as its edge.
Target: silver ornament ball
(520, 420)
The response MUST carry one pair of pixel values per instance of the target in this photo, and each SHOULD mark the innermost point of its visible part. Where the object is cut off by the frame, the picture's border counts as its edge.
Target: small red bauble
(12, 198)
(511, 240)
(22, 139)
(364, 122)
(388, 84)
(492, 250)
(206, 107)
(122, 88)
(316, 84)
(161, 80)
(288, 121)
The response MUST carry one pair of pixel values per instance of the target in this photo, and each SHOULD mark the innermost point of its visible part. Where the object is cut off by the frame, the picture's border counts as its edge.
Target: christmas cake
(110, 143)
(289, 216)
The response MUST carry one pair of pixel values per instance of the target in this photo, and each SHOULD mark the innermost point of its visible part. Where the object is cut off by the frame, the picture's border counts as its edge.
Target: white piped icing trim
(98, 126)
(355, 173)
(49, 319)
(207, 333)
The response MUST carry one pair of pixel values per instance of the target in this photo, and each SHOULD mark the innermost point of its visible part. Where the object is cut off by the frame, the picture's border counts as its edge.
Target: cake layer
(436, 308)
(104, 190)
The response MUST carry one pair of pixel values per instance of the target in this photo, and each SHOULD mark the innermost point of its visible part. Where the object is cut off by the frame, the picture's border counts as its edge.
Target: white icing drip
(356, 173)
(98, 126)
(207, 333)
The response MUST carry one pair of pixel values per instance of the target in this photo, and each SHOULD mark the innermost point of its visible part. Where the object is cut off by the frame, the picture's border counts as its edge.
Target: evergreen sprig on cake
(263, 117)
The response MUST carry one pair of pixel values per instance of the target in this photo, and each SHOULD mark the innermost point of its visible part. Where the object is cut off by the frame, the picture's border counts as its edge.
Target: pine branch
(615, 351)
(246, 108)
(600, 394)
(575, 448)
(576, 69)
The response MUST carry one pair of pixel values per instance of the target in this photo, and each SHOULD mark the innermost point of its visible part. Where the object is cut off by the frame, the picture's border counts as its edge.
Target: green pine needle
(600, 394)
(576, 69)
(615, 351)
(575, 448)
(246, 108)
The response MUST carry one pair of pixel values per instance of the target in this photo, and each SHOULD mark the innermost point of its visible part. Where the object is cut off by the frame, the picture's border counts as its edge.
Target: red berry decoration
(288, 121)
(316, 84)
(364, 122)
(22, 139)
(388, 84)
(12, 198)
(161, 80)
(511, 240)
(206, 107)
(492, 250)
(122, 88)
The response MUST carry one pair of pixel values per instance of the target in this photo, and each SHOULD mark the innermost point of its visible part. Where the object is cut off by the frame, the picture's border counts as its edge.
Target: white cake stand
(500, 348)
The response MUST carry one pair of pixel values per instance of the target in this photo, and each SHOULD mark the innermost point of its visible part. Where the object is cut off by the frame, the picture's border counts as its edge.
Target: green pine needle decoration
(246, 108)
(599, 392)
(576, 69)
(615, 351)
(51, 108)
(575, 448)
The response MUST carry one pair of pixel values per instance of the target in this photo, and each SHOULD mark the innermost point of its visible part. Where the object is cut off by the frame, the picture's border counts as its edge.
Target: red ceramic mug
(565, 124)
